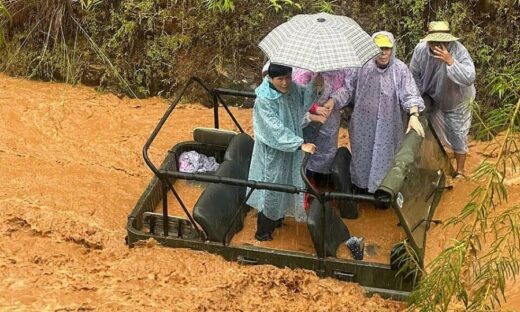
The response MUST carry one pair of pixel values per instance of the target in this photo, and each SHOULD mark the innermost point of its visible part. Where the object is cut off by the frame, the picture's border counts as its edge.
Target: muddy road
(71, 171)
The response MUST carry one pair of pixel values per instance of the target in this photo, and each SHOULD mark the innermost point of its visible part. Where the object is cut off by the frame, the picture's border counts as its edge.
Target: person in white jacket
(443, 69)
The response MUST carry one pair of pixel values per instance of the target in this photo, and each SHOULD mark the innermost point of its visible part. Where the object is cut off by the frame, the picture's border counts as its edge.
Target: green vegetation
(149, 47)
(485, 254)
(102, 43)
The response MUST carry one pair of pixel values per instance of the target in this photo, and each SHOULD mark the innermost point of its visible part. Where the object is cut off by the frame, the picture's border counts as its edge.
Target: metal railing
(164, 176)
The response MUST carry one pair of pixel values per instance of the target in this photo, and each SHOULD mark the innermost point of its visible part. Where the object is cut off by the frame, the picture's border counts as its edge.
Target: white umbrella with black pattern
(319, 42)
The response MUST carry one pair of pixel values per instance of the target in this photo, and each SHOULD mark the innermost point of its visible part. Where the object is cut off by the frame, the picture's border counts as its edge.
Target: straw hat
(439, 31)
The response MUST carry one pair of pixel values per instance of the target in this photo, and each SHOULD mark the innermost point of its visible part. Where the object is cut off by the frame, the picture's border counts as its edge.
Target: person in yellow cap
(387, 104)
(443, 70)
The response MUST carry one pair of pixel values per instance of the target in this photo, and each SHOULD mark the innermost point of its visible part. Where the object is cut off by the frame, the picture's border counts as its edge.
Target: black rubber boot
(264, 228)
(381, 206)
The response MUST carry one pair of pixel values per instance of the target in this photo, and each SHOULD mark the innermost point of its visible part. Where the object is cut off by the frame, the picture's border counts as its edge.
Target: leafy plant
(89, 4)
(485, 253)
(220, 5)
(4, 14)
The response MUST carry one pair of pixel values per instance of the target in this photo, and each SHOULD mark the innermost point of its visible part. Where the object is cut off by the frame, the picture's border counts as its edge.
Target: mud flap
(326, 228)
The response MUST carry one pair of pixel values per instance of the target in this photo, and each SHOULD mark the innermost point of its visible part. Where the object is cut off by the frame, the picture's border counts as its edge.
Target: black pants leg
(264, 227)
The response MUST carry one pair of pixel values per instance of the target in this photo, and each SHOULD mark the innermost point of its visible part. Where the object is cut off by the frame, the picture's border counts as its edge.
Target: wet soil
(72, 170)
(379, 227)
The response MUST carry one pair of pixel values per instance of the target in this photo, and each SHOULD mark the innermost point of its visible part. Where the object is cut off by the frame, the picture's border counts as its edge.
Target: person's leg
(264, 228)
(322, 180)
(460, 160)
(307, 199)
(459, 123)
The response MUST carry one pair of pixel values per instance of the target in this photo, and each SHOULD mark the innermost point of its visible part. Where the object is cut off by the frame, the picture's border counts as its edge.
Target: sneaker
(356, 246)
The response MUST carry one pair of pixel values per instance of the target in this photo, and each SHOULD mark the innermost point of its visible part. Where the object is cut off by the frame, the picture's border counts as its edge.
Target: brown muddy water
(378, 227)
(71, 171)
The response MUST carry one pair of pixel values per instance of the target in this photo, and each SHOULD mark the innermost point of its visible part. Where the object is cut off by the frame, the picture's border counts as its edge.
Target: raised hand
(443, 54)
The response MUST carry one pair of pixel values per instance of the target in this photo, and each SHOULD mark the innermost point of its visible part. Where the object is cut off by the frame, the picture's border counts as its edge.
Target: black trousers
(265, 227)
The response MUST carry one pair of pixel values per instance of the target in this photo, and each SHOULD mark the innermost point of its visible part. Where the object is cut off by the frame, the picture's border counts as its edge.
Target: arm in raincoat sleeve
(302, 76)
(415, 69)
(408, 92)
(308, 95)
(345, 95)
(306, 120)
(270, 130)
(462, 71)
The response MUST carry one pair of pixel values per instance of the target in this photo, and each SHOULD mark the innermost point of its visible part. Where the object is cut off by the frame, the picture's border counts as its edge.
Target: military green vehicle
(220, 221)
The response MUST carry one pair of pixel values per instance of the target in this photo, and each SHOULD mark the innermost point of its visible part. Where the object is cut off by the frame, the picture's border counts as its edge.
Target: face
(433, 44)
(384, 58)
(282, 83)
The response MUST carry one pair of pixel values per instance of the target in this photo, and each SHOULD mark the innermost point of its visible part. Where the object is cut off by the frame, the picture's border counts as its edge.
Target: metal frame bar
(215, 94)
(334, 267)
(378, 278)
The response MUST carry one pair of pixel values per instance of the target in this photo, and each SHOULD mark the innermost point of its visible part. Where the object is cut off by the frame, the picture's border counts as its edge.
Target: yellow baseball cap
(383, 41)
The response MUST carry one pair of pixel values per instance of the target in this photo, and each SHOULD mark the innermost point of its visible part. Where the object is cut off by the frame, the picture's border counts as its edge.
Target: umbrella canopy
(319, 42)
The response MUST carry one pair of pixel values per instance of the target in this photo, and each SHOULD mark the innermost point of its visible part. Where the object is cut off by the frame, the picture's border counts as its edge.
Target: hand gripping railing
(325, 196)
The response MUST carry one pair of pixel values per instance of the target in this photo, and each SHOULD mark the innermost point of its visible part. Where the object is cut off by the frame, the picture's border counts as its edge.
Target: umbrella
(319, 42)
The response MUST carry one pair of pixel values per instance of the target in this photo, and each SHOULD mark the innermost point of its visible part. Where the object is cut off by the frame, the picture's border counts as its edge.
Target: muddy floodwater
(71, 171)
(379, 228)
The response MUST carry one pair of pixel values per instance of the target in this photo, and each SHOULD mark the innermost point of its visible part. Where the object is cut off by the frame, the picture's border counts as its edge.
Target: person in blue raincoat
(385, 98)
(444, 70)
(277, 153)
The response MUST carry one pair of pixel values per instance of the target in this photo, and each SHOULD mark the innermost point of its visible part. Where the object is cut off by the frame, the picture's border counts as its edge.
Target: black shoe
(381, 206)
(358, 190)
(263, 237)
(356, 246)
(278, 223)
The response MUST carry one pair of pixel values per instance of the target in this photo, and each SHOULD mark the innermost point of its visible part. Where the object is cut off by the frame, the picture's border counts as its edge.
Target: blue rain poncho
(382, 100)
(277, 157)
(452, 90)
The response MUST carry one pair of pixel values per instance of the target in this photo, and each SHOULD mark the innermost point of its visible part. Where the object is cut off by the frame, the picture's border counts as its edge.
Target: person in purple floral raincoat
(385, 98)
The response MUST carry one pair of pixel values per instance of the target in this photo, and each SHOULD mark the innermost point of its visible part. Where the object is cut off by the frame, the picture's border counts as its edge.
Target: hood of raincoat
(265, 91)
(394, 48)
